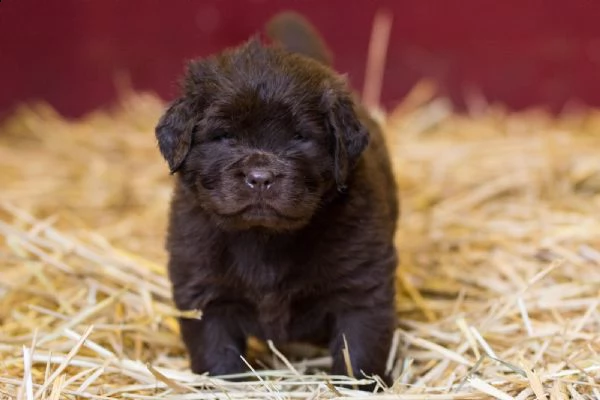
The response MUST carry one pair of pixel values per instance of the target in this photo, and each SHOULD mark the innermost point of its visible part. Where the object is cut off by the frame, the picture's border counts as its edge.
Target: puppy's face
(257, 162)
(260, 136)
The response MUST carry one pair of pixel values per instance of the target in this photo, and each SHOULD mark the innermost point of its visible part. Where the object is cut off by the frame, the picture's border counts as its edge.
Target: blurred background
(78, 55)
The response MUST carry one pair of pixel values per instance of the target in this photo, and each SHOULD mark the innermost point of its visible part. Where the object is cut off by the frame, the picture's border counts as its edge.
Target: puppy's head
(260, 136)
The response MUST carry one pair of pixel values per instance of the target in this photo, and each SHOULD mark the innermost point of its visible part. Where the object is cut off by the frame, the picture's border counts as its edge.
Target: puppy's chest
(258, 271)
(267, 281)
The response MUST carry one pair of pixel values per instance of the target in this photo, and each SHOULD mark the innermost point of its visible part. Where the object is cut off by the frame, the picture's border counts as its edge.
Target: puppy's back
(295, 34)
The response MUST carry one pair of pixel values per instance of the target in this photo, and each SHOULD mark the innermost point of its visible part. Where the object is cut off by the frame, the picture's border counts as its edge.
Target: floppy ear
(351, 136)
(174, 133)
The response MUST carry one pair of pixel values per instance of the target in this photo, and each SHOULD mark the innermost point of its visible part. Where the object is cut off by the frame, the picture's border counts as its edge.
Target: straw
(498, 286)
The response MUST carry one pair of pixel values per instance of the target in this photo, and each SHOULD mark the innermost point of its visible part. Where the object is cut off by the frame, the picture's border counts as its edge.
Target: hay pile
(499, 286)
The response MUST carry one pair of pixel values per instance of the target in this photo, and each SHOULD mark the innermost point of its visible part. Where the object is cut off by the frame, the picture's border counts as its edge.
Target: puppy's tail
(295, 34)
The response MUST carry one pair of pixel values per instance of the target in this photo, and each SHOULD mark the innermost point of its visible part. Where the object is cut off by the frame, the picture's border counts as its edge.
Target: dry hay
(498, 288)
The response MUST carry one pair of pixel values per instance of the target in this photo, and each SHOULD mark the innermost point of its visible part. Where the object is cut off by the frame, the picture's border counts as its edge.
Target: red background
(71, 53)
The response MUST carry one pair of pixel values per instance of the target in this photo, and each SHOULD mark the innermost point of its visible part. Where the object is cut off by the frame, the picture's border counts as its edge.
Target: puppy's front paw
(215, 344)
(367, 335)
(217, 362)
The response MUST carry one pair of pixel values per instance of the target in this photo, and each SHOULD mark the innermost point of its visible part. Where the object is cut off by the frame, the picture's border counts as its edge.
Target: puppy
(284, 210)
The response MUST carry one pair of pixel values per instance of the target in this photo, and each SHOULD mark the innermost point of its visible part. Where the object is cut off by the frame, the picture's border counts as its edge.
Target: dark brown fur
(306, 255)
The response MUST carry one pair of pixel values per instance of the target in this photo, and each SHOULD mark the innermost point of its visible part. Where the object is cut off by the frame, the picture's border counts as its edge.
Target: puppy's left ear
(174, 133)
(351, 136)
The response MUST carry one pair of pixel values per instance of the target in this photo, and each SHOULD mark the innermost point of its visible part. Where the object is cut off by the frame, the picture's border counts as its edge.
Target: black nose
(259, 178)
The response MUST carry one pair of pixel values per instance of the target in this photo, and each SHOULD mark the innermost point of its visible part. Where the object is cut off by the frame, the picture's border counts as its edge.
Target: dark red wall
(521, 52)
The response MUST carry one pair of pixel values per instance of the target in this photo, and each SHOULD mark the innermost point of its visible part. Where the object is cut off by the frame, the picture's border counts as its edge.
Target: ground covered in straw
(499, 284)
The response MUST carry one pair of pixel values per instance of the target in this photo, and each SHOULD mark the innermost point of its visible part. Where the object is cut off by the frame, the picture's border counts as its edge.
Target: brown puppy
(285, 208)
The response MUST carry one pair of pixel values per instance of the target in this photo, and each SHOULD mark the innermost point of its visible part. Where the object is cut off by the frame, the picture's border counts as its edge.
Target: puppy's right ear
(174, 133)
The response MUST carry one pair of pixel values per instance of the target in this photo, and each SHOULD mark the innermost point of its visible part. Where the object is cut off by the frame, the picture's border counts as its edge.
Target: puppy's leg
(216, 342)
(368, 332)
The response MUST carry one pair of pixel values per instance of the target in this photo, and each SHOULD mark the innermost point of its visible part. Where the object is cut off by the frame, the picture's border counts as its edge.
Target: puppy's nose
(259, 178)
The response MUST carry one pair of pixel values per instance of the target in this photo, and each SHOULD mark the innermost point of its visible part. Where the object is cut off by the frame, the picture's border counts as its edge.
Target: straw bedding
(499, 282)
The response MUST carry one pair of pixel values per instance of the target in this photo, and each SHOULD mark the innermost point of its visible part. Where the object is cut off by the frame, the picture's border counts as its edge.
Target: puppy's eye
(299, 137)
(218, 136)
